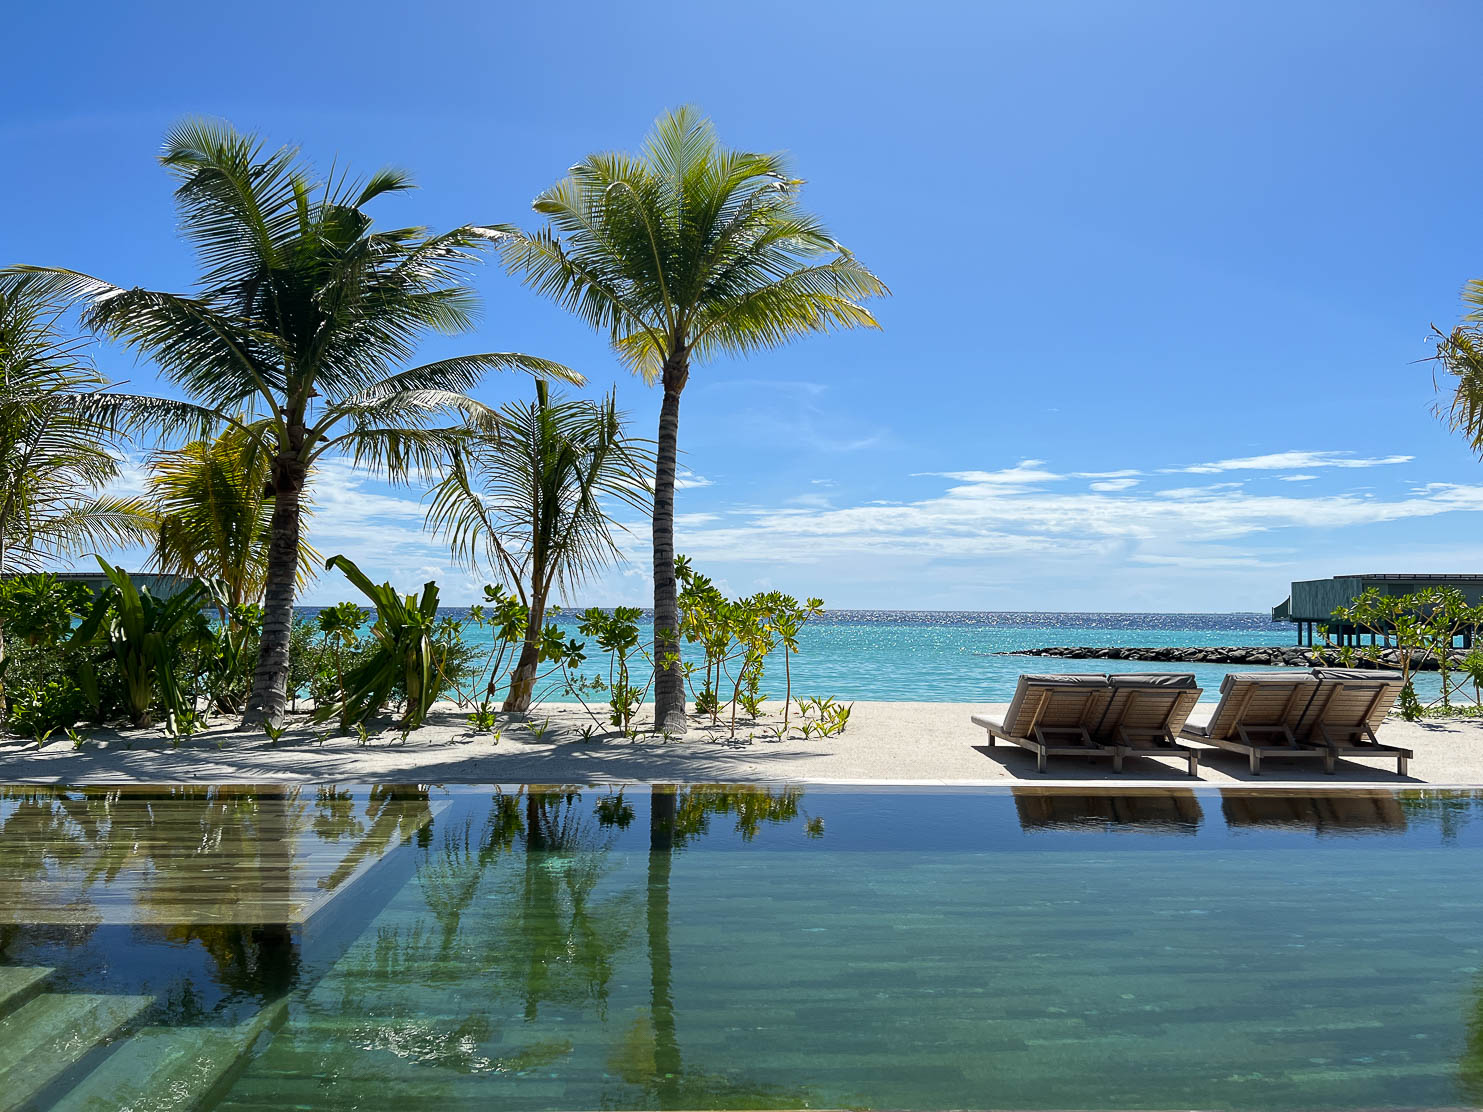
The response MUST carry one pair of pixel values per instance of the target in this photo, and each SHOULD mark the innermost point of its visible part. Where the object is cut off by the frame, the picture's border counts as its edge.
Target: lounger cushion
(1181, 680)
(1233, 678)
(1370, 674)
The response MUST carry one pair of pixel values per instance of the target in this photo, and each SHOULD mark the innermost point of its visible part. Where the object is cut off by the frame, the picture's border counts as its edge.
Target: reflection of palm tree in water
(1470, 1066)
(667, 1066)
(675, 820)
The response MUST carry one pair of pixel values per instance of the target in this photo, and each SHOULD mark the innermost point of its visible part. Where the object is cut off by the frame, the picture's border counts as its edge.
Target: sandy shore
(915, 743)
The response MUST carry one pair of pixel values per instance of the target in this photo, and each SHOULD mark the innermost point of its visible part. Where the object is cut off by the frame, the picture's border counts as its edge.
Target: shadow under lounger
(1054, 716)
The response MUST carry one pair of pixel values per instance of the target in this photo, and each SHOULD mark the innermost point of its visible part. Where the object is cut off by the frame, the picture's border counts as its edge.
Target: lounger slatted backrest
(1057, 701)
(1261, 700)
(1148, 702)
(1350, 699)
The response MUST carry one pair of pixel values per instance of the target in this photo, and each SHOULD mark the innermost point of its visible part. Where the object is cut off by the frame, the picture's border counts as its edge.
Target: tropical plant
(58, 440)
(788, 618)
(617, 634)
(214, 507)
(412, 654)
(1423, 625)
(527, 495)
(339, 629)
(303, 315)
(686, 252)
(144, 633)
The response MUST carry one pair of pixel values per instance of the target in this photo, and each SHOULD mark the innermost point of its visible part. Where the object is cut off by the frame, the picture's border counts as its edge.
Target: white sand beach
(885, 743)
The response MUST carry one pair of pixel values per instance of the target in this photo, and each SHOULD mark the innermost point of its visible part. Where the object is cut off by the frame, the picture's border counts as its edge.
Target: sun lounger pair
(1327, 713)
(1118, 716)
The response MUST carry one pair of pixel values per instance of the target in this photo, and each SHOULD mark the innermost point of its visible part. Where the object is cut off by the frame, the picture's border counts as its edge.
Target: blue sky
(1162, 272)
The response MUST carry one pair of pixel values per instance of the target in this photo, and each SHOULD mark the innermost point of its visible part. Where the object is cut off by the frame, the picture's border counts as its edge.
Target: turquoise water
(765, 948)
(952, 656)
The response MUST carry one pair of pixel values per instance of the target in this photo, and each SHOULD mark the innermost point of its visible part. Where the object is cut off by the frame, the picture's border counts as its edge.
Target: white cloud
(1125, 473)
(685, 480)
(1004, 515)
(1296, 478)
(1289, 461)
(1115, 484)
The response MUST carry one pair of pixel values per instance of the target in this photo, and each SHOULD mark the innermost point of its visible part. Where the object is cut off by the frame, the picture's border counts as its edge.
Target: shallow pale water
(778, 948)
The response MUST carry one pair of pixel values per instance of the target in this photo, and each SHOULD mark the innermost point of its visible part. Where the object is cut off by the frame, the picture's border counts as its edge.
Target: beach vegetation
(60, 440)
(682, 253)
(145, 635)
(413, 655)
(1424, 625)
(616, 633)
(299, 336)
(736, 637)
(529, 494)
(213, 504)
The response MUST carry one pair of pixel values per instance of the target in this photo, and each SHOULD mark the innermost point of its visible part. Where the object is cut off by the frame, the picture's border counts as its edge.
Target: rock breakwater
(1278, 656)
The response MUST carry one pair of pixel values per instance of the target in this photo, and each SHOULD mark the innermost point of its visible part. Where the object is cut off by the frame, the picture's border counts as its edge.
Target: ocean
(954, 656)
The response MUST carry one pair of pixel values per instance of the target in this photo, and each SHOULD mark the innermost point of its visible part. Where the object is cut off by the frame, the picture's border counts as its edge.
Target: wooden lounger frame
(1080, 738)
(1040, 739)
(1150, 741)
(1358, 739)
(1280, 741)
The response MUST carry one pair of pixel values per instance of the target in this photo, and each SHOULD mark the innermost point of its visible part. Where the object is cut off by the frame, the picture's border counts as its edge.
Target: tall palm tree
(527, 496)
(215, 509)
(302, 314)
(1460, 353)
(686, 251)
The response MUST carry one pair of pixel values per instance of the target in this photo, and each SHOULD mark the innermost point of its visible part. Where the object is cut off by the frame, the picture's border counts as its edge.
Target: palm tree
(1460, 352)
(302, 313)
(57, 448)
(686, 251)
(214, 510)
(527, 496)
(58, 441)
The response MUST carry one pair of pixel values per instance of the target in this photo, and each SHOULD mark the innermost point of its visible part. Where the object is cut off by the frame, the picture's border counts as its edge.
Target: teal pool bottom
(752, 947)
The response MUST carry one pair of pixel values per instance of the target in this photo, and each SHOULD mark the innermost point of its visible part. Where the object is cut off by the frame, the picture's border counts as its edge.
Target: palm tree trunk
(523, 680)
(669, 682)
(269, 696)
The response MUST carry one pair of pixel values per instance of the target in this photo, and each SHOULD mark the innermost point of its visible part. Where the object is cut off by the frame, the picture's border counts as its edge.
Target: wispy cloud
(685, 480)
(1296, 478)
(1115, 484)
(1289, 461)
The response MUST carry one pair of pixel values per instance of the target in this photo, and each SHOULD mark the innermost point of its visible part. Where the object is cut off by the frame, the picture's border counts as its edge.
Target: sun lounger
(1259, 714)
(1054, 716)
(1146, 713)
(1347, 709)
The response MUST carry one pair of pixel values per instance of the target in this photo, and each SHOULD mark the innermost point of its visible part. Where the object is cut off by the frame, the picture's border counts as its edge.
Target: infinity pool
(584, 948)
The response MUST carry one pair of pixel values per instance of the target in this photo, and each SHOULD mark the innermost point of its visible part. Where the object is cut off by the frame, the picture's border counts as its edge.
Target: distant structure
(1313, 601)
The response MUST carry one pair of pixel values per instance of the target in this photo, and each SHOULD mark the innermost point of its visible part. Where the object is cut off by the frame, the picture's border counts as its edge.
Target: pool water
(745, 947)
